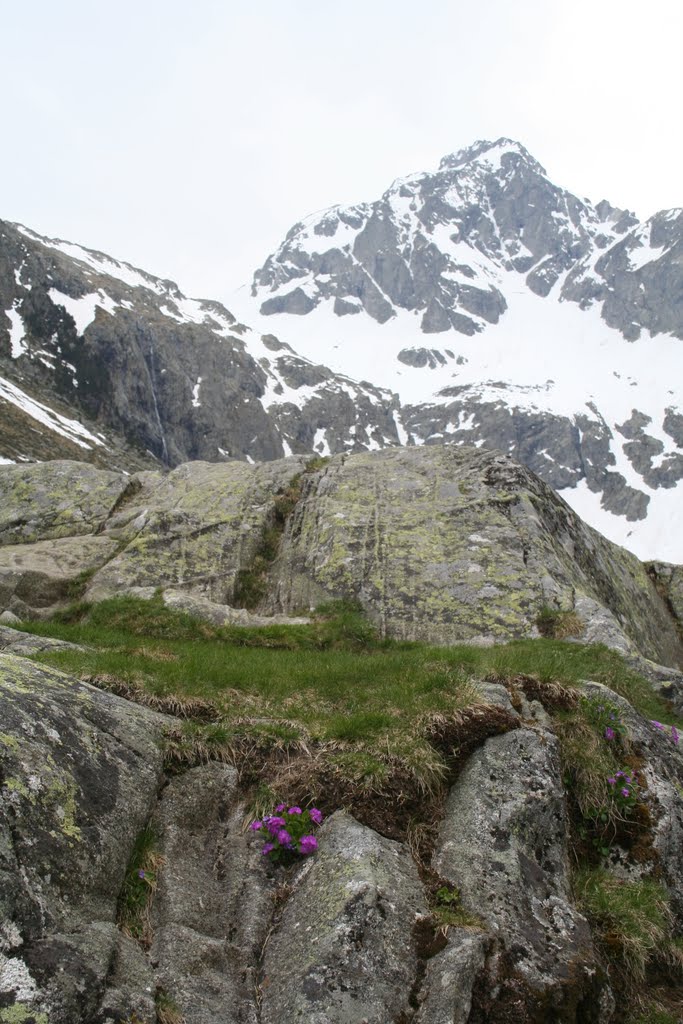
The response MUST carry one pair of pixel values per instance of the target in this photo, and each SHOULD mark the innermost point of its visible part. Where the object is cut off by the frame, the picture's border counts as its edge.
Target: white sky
(187, 138)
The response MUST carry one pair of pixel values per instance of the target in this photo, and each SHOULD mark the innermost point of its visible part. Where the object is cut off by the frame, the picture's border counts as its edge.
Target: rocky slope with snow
(505, 311)
(101, 361)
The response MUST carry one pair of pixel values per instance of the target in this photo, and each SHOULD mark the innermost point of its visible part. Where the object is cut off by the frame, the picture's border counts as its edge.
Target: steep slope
(97, 357)
(505, 311)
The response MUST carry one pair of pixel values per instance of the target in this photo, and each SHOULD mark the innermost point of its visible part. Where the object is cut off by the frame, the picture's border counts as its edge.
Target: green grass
(631, 920)
(361, 709)
(139, 887)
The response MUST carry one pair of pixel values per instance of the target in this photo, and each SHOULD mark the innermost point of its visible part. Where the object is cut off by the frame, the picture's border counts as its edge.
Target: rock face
(452, 544)
(441, 543)
(503, 843)
(101, 361)
(343, 949)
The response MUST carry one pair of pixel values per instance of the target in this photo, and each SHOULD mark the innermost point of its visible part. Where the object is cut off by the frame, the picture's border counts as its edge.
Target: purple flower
(280, 808)
(620, 775)
(657, 725)
(274, 824)
(627, 778)
(283, 837)
(294, 810)
(308, 845)
(609, 733)
(267, 847)
(624, 792)
(141, 873)
(256, 825)
(612, 782)
(316, 815)
(674, 734)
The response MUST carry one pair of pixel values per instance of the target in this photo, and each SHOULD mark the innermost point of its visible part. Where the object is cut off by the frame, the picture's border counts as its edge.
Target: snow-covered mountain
(505, 311)
(104, 362)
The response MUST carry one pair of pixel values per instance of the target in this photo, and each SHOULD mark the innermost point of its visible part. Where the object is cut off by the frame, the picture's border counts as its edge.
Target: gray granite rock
(343, 951)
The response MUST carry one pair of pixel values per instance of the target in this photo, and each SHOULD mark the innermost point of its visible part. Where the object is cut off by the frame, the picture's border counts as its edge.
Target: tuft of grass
(449, 912)
(167, 1009)
(631, 920)
(653, 1014)
(137, 893)
(558, 625)
(364, 771)
(192, 743)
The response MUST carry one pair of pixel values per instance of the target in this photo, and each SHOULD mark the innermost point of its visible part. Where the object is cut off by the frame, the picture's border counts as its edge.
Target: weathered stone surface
(343, 952)
(454, 544)
(502, 842)
(224, 615)
(445, 995)
(194, 528)
(14, 641)
(55, 499)
(669, 580)
(213, 904)
(41, 574)
(79, 770)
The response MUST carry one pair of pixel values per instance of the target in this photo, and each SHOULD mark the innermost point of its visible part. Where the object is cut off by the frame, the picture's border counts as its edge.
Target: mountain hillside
(505, 311)
(99, 360)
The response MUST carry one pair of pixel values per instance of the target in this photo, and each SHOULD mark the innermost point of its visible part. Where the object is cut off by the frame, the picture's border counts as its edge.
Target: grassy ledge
(328, 711)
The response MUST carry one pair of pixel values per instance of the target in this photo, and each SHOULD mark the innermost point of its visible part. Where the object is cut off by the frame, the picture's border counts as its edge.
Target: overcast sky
(187, 138)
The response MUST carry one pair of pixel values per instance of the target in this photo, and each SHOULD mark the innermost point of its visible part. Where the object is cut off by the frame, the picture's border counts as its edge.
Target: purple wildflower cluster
(605, 717)
(662, 728)
(288, 831)
(624, 790)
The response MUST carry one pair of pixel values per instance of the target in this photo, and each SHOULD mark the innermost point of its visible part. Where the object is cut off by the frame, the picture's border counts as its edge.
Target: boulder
(343, 951)
(80, 770)
(450, 544)
(502, 843)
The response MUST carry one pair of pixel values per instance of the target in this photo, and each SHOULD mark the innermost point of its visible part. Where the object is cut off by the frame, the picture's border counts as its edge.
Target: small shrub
(449, 912)
(167, 1010)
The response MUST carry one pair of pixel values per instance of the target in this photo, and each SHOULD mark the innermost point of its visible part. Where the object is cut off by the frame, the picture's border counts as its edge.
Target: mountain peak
(490, 152)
